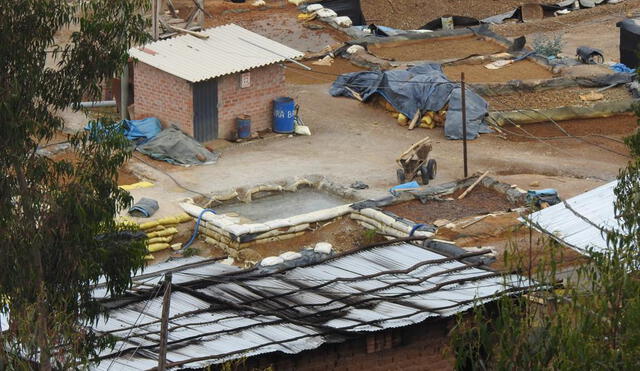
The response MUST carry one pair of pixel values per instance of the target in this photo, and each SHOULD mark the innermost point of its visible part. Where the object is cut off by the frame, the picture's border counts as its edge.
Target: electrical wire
(564, 131)
(133, 327)
(170, 177)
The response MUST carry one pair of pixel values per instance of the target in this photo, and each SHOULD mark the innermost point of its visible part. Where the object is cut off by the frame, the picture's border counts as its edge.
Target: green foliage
(548, 46)
(57, 230)
(592, 323)
(369, 236)
(190, 251)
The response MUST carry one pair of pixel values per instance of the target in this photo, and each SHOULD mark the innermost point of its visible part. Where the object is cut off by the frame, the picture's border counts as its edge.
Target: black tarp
(436, 24)
(349, 8)
(425, 88)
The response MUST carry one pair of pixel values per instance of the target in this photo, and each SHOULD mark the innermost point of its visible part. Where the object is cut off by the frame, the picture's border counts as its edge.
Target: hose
(195, 230)
(415, 228)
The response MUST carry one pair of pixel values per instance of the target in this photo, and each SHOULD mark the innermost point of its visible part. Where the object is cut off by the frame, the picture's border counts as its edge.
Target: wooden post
(200, 16)
(464, 125)
(164, 325)
(155, 23)
(124, 93)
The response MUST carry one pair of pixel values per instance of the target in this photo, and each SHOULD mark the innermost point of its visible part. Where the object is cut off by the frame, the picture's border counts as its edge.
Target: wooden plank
(473, 185)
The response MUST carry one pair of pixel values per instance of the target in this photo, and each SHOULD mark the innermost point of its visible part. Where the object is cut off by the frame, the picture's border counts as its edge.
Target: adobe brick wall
(162, 95)
(414, 348)
(267, 83)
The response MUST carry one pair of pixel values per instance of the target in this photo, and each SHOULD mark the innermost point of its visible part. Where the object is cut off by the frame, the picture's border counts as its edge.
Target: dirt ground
(436, 49)
(411, 14)
(552, 98)
(276, 21)
(354, 141)
(603, 128)
(321, 74)
(480, 200)
(522, 70)
(595, 27)
(125, 174)
(343, 233)
(512, 243)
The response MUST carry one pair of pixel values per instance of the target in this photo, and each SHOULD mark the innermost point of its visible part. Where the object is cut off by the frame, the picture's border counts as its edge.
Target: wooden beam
(164, 324)
(473, 185)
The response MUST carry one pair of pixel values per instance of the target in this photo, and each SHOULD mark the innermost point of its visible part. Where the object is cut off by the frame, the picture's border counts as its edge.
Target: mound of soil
(436, 49)
(344, 234)
(412, 14)
(551, 98)
(480, 200)
(522, 70)
(609, 126)
(295, 74)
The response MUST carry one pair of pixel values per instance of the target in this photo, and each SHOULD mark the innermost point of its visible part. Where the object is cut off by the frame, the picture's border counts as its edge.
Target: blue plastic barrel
(283, 115)
(243, 126)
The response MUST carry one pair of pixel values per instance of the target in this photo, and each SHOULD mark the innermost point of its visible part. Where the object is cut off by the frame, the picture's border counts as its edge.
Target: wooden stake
(414, 120)
(164, 325)
(473, 185)
(464, 124)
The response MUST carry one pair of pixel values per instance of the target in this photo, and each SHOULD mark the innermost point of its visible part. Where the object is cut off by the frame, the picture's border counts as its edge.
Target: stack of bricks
(162, 95)
(266, 84)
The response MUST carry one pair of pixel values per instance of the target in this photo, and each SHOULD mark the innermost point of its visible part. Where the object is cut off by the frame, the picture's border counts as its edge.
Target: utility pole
(164, 325)
(464, 125)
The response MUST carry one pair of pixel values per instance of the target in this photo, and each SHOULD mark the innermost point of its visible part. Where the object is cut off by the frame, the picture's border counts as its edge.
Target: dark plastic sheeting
(349, 8)
(425, 88)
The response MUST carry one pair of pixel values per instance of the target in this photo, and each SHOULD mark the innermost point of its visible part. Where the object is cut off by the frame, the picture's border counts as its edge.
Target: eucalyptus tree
(57, 230)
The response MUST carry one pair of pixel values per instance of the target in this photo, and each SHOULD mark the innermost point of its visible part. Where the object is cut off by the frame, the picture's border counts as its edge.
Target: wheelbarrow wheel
(424, 174)
(401, 176)
(432, 168)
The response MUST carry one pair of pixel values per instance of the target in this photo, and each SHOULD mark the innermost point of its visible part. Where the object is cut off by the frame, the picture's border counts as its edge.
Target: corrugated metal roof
(215, 318)
(229, 49)
(579, 226)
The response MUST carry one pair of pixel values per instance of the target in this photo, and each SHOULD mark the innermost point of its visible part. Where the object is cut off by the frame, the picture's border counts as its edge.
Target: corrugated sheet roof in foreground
(228, 50)
(215, 318)
(579, 225)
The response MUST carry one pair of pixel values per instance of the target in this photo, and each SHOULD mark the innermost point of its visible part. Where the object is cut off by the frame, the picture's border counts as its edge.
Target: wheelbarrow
(415, 161)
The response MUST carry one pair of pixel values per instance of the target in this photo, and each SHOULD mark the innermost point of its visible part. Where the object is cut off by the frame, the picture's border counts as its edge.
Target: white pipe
(104, 103)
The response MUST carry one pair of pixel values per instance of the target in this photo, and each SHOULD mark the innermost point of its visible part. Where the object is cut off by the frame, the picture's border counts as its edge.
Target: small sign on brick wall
(245, 80)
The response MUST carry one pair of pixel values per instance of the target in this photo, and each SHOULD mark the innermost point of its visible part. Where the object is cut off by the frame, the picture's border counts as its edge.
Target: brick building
(202, 85)
(388, 306)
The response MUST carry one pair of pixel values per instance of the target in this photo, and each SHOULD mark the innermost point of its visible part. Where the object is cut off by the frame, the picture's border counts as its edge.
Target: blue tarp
(425, 88)
(141, 129)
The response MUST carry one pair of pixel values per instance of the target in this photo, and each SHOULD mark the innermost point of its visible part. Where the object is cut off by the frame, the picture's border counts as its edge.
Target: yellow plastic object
(306, 17)
(402, 119)
(149, 225)
(129, 187)
(157, 247)
(175, 219)
(153, 240)
(162, 233)
(427, 122)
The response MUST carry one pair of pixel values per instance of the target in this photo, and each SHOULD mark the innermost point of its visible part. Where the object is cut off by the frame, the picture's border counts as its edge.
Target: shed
(393, 299)
(202, 85)
(581, 221)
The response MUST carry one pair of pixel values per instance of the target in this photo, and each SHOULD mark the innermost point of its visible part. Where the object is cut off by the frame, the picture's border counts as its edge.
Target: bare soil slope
(411, 14)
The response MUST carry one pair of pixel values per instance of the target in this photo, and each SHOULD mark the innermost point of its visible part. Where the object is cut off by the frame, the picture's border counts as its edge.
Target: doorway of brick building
(205, 110)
